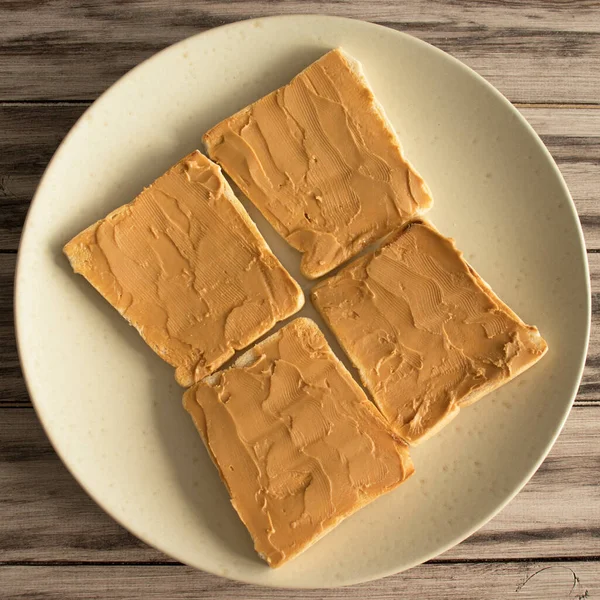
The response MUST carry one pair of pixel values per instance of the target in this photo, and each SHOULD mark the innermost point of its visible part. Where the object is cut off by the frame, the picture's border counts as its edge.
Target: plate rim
(26, 371)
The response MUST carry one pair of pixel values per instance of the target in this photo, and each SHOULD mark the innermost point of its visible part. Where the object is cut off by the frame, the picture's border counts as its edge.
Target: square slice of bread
(426, 333)
(296, 441)
(322, 162)
(186, 266)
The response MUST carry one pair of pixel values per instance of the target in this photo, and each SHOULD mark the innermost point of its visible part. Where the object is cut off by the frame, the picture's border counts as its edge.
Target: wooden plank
(12, 386)
(533, 52)
(46, 517)
(492, 581)
(589, 390)
(31, 133)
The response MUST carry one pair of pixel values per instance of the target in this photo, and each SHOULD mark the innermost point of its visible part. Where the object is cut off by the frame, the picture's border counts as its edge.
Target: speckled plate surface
(111, 407)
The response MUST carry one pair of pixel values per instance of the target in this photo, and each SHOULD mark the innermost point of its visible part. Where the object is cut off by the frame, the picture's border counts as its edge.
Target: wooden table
(56, 56)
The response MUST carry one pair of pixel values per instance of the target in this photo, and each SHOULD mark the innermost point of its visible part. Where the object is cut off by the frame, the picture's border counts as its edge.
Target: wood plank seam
(150, 563)
(89, 101)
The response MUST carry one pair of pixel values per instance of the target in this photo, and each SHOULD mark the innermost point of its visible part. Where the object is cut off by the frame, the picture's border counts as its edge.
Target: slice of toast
(322, 162)
(296, 441)
(426, 333)
(187, 267)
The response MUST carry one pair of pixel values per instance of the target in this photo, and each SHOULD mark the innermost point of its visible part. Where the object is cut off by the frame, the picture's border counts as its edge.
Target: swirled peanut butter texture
(186, 266)
(320, 160)
(426, 333)
(295, 440)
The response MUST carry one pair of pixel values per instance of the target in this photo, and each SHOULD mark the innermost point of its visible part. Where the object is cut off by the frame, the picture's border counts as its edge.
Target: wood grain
(29, 135)
(51, 519)
(32, 132)
(589, 390)
(534, 51)
(575, 580)
(12, 386)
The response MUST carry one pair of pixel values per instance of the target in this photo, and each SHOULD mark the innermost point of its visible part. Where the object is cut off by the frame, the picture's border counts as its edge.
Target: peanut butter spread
(295, 440)
(426, 333)
(185, 265)
(321, 162)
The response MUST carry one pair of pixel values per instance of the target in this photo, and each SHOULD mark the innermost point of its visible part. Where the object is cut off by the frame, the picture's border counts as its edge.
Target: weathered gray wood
(535, 51)
(12, 386)
(29, 135)
(574, 580)
(589, 390)
(46, 517)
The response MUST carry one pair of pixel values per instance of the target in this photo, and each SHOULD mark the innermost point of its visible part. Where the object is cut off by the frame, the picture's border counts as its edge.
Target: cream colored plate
(112, 409)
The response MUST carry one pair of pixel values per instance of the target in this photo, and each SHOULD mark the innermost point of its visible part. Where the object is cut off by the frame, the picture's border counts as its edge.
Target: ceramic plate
(113, 410)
